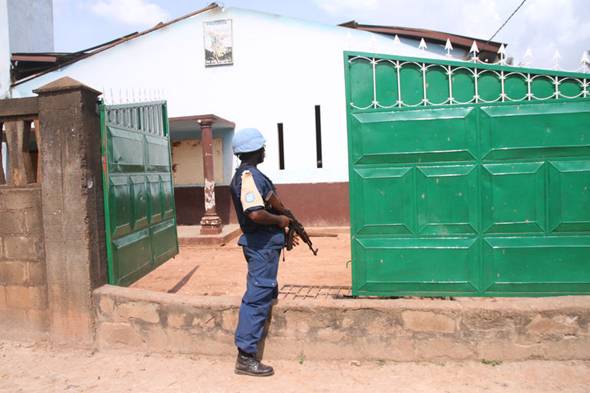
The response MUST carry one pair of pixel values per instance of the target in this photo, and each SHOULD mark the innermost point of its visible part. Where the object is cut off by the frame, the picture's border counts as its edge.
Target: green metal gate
(140, 216)
(467, 179)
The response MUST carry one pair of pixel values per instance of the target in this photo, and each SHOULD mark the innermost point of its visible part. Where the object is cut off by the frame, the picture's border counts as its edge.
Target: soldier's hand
(284, 221)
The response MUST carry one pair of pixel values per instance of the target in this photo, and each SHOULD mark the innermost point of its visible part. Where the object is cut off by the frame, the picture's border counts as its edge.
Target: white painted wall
(282, 68)
(31, 25)
(187, 159)
(4, 50)
(25, 26)
(4, 162)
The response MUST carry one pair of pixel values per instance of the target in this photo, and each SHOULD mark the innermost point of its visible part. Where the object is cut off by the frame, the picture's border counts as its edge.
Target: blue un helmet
(247, 140)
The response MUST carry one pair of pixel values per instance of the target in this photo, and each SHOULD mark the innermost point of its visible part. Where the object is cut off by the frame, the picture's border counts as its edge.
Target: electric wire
(507, 20)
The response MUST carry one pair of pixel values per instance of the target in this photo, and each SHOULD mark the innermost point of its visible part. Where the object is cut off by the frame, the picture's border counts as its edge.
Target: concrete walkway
(216, 271)
(34, 367)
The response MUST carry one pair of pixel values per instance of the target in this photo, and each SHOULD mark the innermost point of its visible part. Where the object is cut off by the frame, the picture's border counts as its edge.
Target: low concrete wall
(401, 330)
(23, 284)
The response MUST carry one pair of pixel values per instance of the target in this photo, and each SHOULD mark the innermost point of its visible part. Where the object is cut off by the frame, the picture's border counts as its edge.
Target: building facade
(282, 75)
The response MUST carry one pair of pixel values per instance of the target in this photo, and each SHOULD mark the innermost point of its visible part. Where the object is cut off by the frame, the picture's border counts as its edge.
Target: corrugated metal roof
(32, 65)
(487, 48)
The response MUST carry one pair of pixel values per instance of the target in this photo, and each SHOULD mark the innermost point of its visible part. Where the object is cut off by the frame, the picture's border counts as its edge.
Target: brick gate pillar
(73, 215)
(210, 223)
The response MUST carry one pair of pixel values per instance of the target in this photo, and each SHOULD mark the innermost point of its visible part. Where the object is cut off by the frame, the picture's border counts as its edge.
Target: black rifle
(295, 228)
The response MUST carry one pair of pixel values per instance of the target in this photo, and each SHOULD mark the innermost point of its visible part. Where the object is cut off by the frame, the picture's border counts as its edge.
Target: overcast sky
(544, 26)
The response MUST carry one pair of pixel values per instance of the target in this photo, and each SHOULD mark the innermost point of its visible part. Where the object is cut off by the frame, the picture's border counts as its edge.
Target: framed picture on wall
(218, 41)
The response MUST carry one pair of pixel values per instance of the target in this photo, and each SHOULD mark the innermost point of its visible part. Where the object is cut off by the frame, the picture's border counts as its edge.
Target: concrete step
(190, 235)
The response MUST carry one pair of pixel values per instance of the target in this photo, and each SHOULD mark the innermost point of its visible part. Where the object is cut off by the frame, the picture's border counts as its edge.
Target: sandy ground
(221, 270)
(33, 367)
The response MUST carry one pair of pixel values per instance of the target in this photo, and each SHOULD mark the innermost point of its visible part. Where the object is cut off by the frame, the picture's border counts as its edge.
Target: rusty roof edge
(116, 42)
(461, 40)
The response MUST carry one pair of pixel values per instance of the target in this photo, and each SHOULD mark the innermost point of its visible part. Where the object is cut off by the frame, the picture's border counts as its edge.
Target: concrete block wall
(354, 329)
(23, 284)
(52, 233)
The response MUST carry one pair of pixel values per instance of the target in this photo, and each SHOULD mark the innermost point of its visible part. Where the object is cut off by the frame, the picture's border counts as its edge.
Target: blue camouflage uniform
(262, 245)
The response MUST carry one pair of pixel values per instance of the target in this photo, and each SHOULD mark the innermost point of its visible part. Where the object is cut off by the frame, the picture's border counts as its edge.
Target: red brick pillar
(210, 223)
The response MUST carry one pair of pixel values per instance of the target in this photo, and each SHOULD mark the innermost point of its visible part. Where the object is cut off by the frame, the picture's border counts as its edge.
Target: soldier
(262, 240)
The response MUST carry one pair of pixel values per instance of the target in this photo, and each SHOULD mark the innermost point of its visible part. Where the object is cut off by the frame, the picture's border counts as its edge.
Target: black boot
(247, 364)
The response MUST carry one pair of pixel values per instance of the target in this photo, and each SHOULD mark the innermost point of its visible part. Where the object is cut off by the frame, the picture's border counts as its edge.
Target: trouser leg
(261, 289)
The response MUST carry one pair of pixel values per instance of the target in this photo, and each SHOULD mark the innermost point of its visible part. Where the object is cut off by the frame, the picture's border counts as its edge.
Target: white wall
(4, 50)
(31, 25)
(4, 162)
(25, 26)
(282, 68)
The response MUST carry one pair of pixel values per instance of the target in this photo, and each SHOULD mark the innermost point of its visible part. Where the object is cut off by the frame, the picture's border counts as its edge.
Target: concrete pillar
(210, 223)
(73, 214)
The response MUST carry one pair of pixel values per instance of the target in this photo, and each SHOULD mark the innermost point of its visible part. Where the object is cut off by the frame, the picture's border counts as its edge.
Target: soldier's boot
(247, 364)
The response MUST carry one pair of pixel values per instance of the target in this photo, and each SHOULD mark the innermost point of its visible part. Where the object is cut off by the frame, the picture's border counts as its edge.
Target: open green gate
(467, 179)
(140, 216)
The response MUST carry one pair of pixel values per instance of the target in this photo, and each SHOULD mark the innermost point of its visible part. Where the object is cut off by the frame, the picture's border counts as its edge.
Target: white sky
(544, 26)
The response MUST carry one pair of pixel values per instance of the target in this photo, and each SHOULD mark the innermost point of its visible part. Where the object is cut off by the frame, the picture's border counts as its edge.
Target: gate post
(210, 223)
(73, 214)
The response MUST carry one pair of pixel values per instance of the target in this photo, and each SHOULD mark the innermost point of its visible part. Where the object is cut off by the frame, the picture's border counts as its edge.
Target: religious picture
(217, 35)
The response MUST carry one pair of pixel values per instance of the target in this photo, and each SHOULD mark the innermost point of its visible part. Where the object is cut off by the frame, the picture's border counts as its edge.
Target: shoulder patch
(249, 194)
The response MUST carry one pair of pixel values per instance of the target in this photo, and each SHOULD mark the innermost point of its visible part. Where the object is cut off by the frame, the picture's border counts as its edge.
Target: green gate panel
(140, 216)
(532, 131)
(467, 179)
(537, 265)
(418, 265)
(569, 196)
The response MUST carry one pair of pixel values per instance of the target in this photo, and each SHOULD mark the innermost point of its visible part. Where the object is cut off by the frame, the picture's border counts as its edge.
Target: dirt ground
(34, 367)
(221, 270)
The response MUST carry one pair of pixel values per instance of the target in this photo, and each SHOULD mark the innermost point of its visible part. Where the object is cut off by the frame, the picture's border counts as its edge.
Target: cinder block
(509, 350)
(106, 307)
(18, 199)
(426, 321)
(147, 312)
(13, 319)
(12, 222)
(557, 326)
(176, 320)
(443, 348)
(571, 348)
(22, 248)
(204, 321)
(331, 335)
(2, 297)
(229, 319)
(296, 323)
(33, 221)
(181, 341)
(36, 274)
(38, 319)
(26, 297)
(111, 335)
(13, 272)
(156, 338)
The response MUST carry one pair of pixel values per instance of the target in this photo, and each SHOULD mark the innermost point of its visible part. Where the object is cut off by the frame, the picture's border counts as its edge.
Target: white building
(283, 72)
(25, 26)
